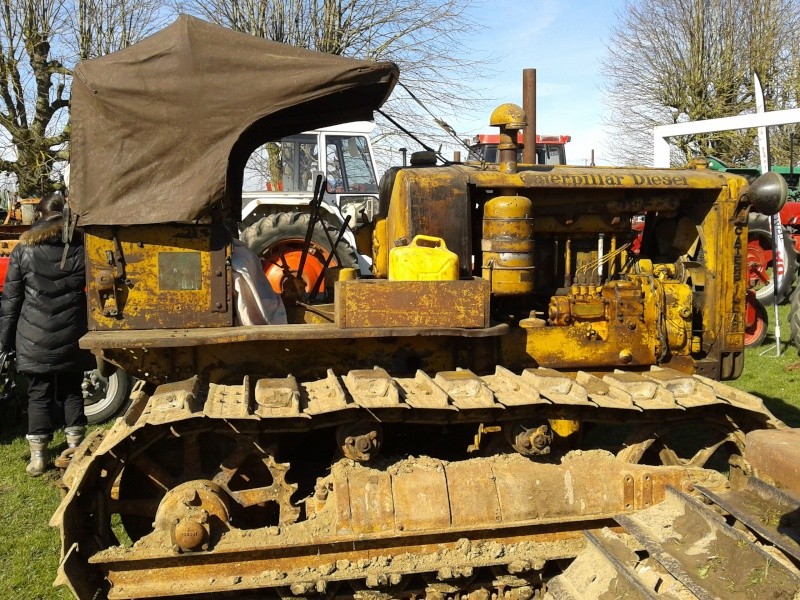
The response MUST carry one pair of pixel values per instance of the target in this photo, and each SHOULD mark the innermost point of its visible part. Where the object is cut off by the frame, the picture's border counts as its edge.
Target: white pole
(775, 220)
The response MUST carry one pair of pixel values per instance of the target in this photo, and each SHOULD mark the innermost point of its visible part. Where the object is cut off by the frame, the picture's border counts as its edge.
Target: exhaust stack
(529, 108)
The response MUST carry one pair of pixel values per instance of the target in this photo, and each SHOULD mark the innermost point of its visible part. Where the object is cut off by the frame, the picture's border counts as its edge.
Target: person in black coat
(42, 317)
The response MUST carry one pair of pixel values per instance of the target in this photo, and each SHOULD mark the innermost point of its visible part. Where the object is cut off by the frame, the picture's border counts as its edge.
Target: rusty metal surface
(435, 201)
(545, 392)
(679, 535)
(686, 549)
(775, 456)
(411, 518)
(432, 205)
(604, 570)
(157, 277)
(226, 335)
(205, 465)
(770, 513)
(376, 304)
(410, 448)
(342, 571)
(391, 457)
(529, 106)
(614, 326)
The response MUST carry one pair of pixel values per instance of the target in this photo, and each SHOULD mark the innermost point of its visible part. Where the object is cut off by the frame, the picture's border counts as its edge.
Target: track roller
(360, 441)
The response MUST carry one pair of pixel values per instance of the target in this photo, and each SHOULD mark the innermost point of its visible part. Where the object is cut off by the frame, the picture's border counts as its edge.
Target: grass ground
(773, 377)
(29, 548)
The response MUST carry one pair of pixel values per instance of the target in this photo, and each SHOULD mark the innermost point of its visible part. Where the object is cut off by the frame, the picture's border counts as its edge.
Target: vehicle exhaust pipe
(529, 108)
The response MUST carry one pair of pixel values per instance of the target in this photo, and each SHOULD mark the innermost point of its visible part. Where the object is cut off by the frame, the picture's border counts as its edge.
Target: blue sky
(564, 41)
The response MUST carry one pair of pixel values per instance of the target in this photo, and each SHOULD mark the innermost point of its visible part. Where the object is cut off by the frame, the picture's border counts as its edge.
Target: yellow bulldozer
(514, 405)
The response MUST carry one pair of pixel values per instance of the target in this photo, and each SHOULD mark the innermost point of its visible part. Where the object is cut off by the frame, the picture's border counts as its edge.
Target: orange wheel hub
(284, 259)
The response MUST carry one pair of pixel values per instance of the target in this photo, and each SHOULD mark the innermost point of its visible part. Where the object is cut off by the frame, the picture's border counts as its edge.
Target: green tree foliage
(672, 61)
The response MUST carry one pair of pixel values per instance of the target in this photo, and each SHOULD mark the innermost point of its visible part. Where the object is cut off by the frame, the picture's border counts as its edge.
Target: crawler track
(378, 486)
(734, 544)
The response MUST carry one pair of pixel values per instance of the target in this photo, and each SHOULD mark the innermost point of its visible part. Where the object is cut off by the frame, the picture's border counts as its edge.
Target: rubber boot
(75, 435)
(39, 457)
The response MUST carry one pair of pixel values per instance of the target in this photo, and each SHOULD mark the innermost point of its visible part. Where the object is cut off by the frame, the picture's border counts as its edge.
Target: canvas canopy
(161, 130)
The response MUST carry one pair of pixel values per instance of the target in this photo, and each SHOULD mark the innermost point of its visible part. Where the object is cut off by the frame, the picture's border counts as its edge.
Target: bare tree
(428, 39)
(98, 27)
(33, 92)
(40, 40)
(672, 61)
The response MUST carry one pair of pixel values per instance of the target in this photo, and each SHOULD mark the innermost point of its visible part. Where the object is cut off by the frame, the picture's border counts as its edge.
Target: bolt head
(189, 535)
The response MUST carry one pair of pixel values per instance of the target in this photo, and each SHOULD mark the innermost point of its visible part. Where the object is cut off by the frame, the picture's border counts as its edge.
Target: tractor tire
(756, 323)
(794, 319)
(760, 262)
(105, 398)
(278, 240)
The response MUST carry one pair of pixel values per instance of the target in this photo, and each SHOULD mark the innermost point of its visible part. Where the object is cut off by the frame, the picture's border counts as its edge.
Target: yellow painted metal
(507, 245)
(678, 317)
(380, 251)
(334, 274)
(370, 303)
(443, 352)
(614, 325)
(510, 118)
(508, 115)
(612, 267)
(363, 237)
(478, 437)
(398, 228)
(427, 201)
(582, 179)
(634, 321)
(156, 276)
(564, 428)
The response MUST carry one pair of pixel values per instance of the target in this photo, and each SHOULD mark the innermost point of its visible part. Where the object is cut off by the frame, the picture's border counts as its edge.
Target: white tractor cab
(277, 195)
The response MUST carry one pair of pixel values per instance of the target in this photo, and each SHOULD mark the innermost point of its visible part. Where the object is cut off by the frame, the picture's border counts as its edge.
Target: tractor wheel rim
(284, 260)
(759, 261)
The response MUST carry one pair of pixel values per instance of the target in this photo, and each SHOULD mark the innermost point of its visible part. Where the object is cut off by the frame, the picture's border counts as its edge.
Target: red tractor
(549, 148)
(761, 259)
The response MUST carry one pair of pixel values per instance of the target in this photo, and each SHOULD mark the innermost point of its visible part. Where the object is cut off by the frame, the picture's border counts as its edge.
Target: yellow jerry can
(426, 258)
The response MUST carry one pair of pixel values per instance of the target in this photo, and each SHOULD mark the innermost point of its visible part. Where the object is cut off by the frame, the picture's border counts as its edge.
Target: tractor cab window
(290, 165)
(546, 154)
(293, 162)
(287, 165)
(350, 167)
(483, 153)
(550, 154)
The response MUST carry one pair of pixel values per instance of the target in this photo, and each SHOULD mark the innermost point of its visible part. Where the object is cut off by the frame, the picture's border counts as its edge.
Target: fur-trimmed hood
(43, 309)
(43, 232)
